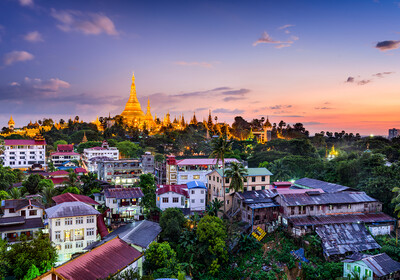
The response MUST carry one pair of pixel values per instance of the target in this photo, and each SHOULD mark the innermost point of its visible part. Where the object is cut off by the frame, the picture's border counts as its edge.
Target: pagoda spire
(132, 109)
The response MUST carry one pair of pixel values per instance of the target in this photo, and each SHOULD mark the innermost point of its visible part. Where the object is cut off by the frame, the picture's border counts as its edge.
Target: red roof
(65, 154)
(58, 173)
(101, 226)
(179, 189)
(203, 161)
(101, 262)
(65, 148)
(57, 181)
(80, 170)
(69, 197)
(97, 148)
(123, 193)
(23, 142)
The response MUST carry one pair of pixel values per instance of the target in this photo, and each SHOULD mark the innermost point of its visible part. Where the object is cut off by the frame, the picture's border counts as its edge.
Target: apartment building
(64, 153)
(123, 172)
(105, 151)
(72, 226)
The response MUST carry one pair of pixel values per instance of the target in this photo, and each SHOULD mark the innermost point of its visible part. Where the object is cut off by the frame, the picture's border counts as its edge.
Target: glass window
(196, 177)
(68, 245)
(253, 188)
(193, 200)
(90, 219)
(201, 200)
(175, 199)
(263, 178)
(253, 179)
(57, 235)
(165, 199)
(79, 220)
(90, 231)
(184, 177)
(79, 244)
(263, 187)
(68, 221)
(226, 180)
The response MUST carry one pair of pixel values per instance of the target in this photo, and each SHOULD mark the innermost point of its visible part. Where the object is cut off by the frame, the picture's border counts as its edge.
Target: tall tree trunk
(223, 183)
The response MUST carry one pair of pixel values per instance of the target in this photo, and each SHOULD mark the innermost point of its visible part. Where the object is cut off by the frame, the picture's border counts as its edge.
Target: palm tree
(236, 173)
(356, 276)
(214, 207)
(220, 146)
(47, 195)
(14, 193)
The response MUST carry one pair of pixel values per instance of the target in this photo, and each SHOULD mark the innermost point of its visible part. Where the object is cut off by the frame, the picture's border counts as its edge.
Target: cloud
(363, 82)
(194, 63)
(323, 108)
(26, 3)
(228, 99)
(51, 85)
(1, 31)
(267, 39)
(86, 23)
(388, 45)
(33, 37)
(382, 74)
(17, 56)
(228, 111)
(279, 107)
(285, 26)
(291, 116)
(241, 92)
(350, 80)
(312, 123)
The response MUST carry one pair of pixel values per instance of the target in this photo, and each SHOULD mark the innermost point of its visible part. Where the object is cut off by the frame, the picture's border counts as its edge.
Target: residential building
(255, 180)
(64, 153)
(71, 197)
(124, 204)
(307, 183)
(369, 267)
(139, 234)
(172, 196)
(20, 217)
(193, 169)
(72, 227)
(393, 133)
(197, 195)
(22, 154)
(124, 172)
(302, 212)
(148, 163)
(108, 259)
(160, 172)
(58, 177)
(98, 152)
(257, 208)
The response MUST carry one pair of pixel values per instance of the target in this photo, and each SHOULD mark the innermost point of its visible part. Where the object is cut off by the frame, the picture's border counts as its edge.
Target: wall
(170, 204)
(348, 268)
(197, 199)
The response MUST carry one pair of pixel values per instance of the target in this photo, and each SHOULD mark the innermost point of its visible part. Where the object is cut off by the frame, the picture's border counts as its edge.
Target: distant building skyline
(313, 62)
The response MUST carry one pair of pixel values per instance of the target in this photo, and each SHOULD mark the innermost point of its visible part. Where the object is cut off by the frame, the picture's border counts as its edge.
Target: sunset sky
(331, 65)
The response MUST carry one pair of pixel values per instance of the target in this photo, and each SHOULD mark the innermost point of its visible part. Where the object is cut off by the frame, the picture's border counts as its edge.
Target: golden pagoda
(133, 112)
(84, 139)
(11, 124)
(148, 118)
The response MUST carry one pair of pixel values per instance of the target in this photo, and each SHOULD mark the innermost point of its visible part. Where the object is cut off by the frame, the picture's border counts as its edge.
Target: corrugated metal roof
(317, 184)
(33, 223)
(18, 204)
(326, 198)
(382, 264)
(140, 233)
(179, 189)
(339, 239)
(196, 184)
(341, 219)
(69, 197)
(123, 193)
(70, 209)
(202, 161)
(12, 221)
(101, 262)
(256, 196)
(258, 171)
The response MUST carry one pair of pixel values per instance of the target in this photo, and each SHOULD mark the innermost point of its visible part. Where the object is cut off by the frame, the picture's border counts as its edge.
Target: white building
(172, 196)
(197, 195)
(105, 151)
(64, 153)
(21, 153)
(190, 196)
(21, 217)
(192, 169)
(72, 227)
(124, 204)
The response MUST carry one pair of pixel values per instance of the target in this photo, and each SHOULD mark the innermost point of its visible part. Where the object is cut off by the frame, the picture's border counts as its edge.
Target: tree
(89, 183)
(212, 234)
(160, 256)
(72, 180)
(220, 146)
(23, 255)
(148, 186)
(3, 195)
(14, 193)
(74, 190)
(59, 142)
(214, 207)
(32, 183)
(236, 173)
(129, 149)
(7, 177)
(47, 195)
(172, 221)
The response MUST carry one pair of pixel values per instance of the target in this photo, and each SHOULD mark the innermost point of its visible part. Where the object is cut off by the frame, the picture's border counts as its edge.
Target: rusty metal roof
(382, 264)
(325, 198)
(33, 223)
(101, 262)
(339, 239)
(341, 219)
(69, 197)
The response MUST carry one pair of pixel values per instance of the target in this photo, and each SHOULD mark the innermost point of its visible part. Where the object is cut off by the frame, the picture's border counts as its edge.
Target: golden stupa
(133, 112)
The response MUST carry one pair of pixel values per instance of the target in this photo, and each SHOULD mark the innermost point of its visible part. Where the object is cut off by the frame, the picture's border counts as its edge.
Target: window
(79, 220)
(253, 179)
(291, 210)
(263, 178)
(202, 191)
(165, 199)
(349, 206)
(253, 188)
(192, 191)
(90, 231)
(57, 235)
(227, 202)
(263, 187)
(32, 212)
(68, 221)
(312, 208)
(12, 210)
(217, 179)
(90, 242)
(79, 244)
(201, 200)
(68, 246)
(184, 177)
(58, 222)
(226, 190)
(193, 200)
(58, 247)
(213, 178)
(175, 199)
(209, 178)
(90, 220)
(196, 177)
(226, 180)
